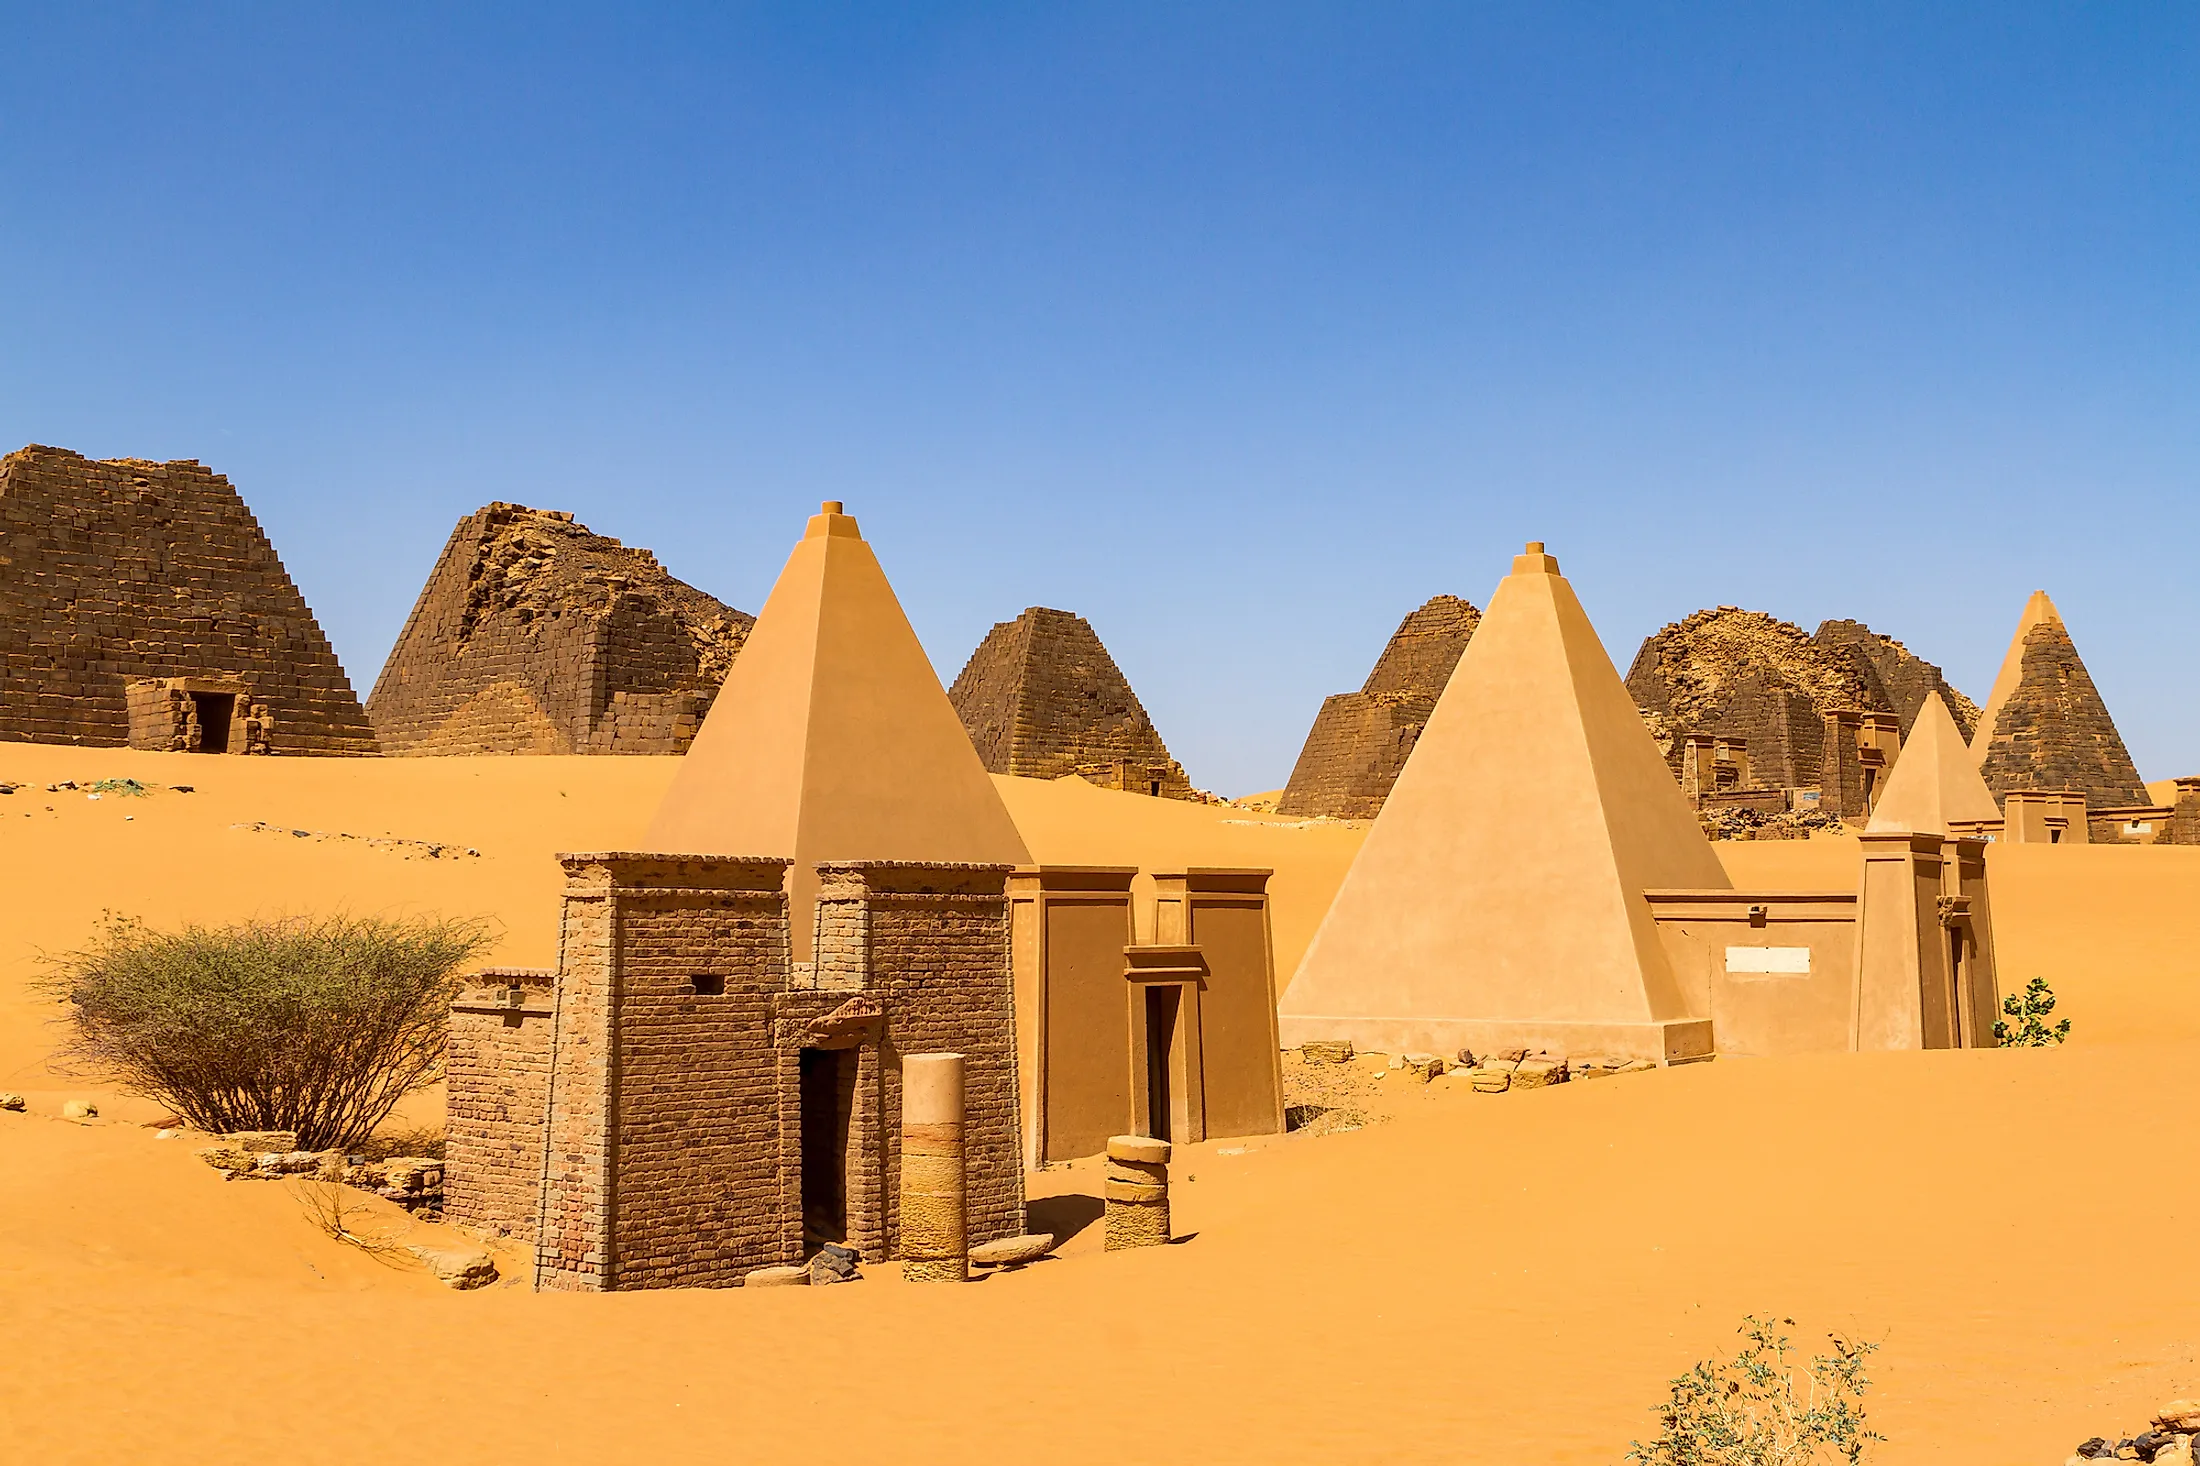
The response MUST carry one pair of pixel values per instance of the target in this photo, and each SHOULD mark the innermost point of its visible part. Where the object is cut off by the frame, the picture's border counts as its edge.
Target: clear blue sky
(1239, 330)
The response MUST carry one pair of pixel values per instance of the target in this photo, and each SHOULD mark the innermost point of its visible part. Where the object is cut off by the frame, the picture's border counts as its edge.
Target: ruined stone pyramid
(533, 635)
(832, 738)
(122, 571)
(1750, 675)
(1042, 698)
(1935, 782)
(1498, 898)
(1901, 678)
(2045, 727)
(1360, 740)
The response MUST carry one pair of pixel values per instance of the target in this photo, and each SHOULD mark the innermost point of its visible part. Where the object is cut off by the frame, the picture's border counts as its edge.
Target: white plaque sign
(1783, 961)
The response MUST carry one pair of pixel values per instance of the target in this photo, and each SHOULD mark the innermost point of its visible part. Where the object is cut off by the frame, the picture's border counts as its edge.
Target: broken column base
(1137, 1188)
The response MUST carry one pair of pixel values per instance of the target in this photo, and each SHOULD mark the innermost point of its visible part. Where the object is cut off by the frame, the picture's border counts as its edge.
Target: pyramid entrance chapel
(1536, 880)
(710, 1081)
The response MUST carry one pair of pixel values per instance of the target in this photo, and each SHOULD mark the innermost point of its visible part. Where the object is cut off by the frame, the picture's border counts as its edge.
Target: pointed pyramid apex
(832, 739)
(1532, 561)
(2039, 611)
(1935, 782)
(832, 520)
(1498, 897)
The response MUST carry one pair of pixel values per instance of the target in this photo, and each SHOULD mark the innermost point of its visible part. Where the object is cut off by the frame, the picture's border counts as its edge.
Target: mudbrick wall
(665, 1098)
(112, 571)
(1042, 698)
(934, 940)
(1738, 673)
(534, 635)
(498, 1067)
(1361, 740)
(1903, 680)
(2054, 732)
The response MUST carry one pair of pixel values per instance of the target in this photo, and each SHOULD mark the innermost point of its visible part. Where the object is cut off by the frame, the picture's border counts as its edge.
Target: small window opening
(709, 984)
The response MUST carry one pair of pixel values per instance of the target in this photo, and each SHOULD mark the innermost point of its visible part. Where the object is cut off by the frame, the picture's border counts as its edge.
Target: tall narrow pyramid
(832, 738)
(1498, 898)
(1934, 780)
(1041, 698)
(2044, 725)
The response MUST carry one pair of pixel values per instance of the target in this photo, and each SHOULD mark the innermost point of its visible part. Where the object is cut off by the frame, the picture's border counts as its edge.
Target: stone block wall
(534, 635)
(1361, 740)
(936, 962)
(662, 1148)
(2054, 732)
(1041, 698)
(497, 1069)
(118, 570)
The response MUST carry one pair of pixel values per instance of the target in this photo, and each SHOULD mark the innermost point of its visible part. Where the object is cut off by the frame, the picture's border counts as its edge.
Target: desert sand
(1477, 1278)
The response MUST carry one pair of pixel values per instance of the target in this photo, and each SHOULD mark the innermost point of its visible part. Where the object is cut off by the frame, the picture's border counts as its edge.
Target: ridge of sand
(1492, 1278)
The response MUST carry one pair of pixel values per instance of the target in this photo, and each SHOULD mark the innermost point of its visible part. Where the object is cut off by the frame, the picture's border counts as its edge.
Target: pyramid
(1934, 782)
(1744, 673)
(832, 739)
(1900, 677)
(2045, 727)
(1498, 898)
(1041, 698)
(1360, 740)
(118, 575)
(533, 635)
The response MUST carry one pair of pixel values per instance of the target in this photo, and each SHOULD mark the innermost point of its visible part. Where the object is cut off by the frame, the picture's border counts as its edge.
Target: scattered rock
(10, 1100)
(1421, 1067)
(2182, 1416)
(1012, 1251)
(1487, 1080)
(2147, 1444)
(1466, 1059)
(458, 1267)
(834, 1264)
(2177, 1453)
(776, 1277)
(79, 1110)
(2095, 1449)
(1538, 1073)
(1326, 1051)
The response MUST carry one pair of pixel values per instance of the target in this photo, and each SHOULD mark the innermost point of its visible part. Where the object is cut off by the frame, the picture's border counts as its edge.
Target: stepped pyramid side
(1042, 698)
(832, 739)
(2050, 729)
(1361, 740)
(1904, 680)
(1498, 898)
(1736, 673)
(1935, 785)
(534, 635)
(122, 571)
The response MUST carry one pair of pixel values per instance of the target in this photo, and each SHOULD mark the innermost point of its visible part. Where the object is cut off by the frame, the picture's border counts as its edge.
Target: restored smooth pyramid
(832, 738)
(1498, 898)
(1935, 780)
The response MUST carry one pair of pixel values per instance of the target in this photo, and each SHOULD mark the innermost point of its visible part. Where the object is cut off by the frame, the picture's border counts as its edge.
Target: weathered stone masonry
(141, 605)
(533, 635)
(695, 1106)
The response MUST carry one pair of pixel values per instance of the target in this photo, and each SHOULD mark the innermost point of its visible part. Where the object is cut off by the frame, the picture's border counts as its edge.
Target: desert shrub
(318, 1025)
(1762, 1408)
(2030, 1008)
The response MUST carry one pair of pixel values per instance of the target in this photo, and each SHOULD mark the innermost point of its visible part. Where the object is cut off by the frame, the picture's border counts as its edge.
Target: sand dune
(1490, 1278)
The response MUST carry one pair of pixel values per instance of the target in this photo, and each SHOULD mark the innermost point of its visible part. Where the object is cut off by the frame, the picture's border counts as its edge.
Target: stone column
(1137, 1192)
(934, 1235)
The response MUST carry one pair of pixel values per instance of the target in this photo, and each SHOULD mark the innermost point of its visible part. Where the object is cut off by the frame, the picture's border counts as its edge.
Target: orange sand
(1482, 1278)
